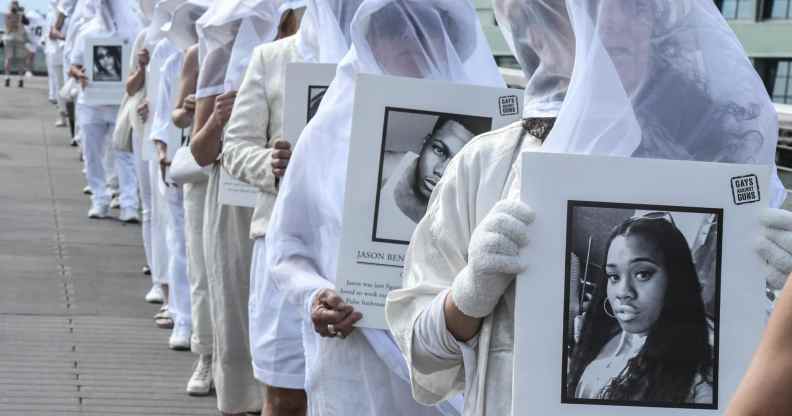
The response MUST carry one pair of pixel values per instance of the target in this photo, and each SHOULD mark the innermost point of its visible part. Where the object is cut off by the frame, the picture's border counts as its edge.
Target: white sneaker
(115, 203)
(180, 338)
(28, 74)
(200, 383)
(87, 190)
(98, 212)
(155, 295)
(129, 216)
(60, 122)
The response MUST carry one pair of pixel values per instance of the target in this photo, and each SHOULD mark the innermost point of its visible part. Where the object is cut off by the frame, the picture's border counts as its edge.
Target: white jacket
(256, 122)
(475, 180)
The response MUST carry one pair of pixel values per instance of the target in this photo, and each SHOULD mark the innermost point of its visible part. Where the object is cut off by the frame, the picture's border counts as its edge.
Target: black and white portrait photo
(416, 149)
(641, 305)
(107, 63)
(315, 95)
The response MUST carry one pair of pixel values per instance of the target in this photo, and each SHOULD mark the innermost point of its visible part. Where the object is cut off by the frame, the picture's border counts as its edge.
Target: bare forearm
(767, 385)
(136, 81)
(206, 143)
(60, 21)
(461, 326)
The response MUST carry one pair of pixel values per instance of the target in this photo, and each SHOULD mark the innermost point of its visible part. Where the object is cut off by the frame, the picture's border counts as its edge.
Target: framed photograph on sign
(107, 67)
(643, 295)
(405, 132)
(306, 85)
(645, 279)
(416, 149)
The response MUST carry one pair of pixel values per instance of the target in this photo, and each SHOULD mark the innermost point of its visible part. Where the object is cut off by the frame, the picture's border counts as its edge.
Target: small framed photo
(405, 132)
(642, 296)
(416, 148)
(107, 68)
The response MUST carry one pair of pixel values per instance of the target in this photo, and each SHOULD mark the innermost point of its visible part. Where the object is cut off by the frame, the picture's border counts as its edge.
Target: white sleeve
(434, 348)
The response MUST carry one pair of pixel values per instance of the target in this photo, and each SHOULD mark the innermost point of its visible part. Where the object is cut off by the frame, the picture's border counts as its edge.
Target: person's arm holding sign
(765, 388)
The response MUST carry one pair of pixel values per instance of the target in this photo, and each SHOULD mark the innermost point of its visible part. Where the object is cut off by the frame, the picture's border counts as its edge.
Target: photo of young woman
(641, 333)
(107, 63)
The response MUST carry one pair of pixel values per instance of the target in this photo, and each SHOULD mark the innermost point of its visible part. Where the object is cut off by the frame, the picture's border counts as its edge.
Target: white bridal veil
(664, 79)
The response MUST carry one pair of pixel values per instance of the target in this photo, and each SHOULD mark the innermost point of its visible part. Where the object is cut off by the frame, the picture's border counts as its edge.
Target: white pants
(194, 199)
(179, 286)
(159, 221)
(97, 126)
(55, 76)
(144, 185)
(276, 343)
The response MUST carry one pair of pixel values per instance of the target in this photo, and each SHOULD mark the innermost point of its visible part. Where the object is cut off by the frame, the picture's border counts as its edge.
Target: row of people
(252, 292)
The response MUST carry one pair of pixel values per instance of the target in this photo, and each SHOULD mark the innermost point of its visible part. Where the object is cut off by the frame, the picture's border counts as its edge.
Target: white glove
(775, 246)
(493, 258)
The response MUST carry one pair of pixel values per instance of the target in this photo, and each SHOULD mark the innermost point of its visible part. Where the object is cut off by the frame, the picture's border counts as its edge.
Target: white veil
(539, 34)
(334, 17)
(260, 22)
(162, 14)
(664, 79)
(181, 28)
(432, 39)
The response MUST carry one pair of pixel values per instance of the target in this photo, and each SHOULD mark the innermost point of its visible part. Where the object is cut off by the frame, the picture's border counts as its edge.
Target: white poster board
(404, 133)
(236, 193)
(107, 68)
(604, 234)
(306, 85)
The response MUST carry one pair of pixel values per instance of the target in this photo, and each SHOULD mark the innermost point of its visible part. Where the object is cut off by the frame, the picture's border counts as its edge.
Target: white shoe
(60, 122)
(115, 203)
(98, 212)
(200, 383)
(28, 74)
(129, 216)
(180, 338)
(87, 190)
(155, 295)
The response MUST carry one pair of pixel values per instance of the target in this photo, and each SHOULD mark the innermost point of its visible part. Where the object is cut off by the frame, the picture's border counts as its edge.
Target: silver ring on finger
(331, 330)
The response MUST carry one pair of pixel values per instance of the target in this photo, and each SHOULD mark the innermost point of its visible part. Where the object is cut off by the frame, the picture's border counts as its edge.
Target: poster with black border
(107, 68)
(643, 295)
(306, 84)
(404, 133)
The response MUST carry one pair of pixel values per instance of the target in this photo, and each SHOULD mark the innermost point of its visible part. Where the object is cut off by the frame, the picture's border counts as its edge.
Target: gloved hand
(775, 246)
(493, 258)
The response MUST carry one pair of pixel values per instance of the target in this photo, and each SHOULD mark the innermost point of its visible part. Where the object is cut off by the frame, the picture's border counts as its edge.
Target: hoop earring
(605, 307)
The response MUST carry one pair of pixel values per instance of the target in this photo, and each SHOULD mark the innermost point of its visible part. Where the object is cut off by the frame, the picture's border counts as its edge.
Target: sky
(40, 5)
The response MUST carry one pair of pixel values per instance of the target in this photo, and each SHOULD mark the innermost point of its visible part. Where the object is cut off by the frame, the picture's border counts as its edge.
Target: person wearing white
(256, 124)
(227, 247)
(161, 50)
(107, 17)
(183, 33)
(53, 51)
(641, 87)
(167, 139)
(437, 39)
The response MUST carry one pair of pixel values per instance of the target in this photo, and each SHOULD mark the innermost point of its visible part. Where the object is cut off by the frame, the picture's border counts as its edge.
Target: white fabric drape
(181, 27)
(540, 36)
(664, 79)
(437, 39)
(334, 17)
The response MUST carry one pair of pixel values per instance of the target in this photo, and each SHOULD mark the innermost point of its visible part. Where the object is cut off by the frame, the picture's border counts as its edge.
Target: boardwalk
(75, 335)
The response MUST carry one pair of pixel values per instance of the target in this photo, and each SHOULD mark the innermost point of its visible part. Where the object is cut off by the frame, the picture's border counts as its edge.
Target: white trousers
(159, 220)
(194, 199)
(276, 343)
(97, 134)
(179, 286)
(55, 76)
(144, 186)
